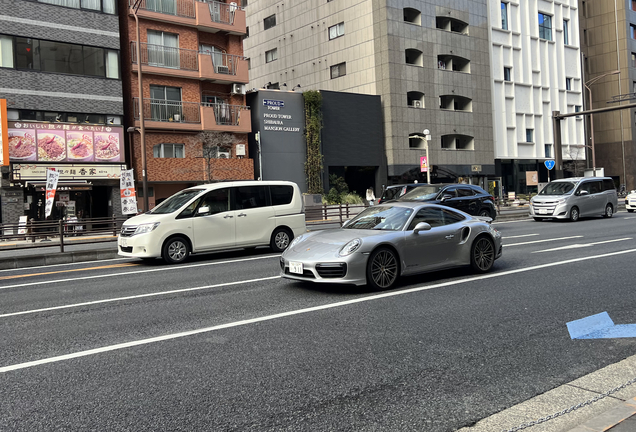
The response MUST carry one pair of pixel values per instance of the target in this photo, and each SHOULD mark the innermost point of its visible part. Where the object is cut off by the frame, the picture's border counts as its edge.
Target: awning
(61, 185)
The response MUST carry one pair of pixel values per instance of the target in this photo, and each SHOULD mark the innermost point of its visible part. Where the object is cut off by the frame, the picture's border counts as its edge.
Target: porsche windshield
(558, 188)
(381, 218)
(176, 201)
(421, 193)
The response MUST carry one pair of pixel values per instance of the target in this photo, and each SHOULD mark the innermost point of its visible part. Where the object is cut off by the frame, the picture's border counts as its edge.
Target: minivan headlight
(350, 247)
(146, 228)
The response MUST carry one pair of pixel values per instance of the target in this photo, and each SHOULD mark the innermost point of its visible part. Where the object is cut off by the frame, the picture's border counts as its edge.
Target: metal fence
(31, 234)
(334, 213)
(168, 111)
(182, 8)
(165, 56)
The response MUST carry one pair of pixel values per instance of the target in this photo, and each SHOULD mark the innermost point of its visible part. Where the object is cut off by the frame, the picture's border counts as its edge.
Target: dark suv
(467, 198)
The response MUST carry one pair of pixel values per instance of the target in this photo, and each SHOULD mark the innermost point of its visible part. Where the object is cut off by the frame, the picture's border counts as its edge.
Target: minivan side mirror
(203, 210)
(421, 226)
(584, 192)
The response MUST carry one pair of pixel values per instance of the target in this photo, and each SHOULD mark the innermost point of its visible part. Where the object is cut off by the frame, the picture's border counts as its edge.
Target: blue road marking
(600, 326)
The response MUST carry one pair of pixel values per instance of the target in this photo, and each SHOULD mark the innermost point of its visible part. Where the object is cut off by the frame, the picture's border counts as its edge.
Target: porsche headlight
(350, 247)
(295, 242)
(146, 228)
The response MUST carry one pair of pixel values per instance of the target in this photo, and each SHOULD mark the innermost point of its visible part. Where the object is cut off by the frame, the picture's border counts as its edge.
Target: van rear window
(281, 194)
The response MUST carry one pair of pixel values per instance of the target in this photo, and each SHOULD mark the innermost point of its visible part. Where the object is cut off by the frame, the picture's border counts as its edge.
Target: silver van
(575, 197)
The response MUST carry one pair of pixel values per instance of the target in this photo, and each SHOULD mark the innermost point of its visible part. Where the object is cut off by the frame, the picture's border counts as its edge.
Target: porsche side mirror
(422, 226)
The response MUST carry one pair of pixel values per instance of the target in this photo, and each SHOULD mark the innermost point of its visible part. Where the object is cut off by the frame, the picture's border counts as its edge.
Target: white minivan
(216, 216)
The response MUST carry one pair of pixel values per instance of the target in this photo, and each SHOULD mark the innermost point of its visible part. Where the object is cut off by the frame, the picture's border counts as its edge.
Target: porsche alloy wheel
(382, 269)
(482, 256)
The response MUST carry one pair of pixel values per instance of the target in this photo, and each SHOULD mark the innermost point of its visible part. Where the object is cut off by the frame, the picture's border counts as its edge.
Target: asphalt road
(221, 343)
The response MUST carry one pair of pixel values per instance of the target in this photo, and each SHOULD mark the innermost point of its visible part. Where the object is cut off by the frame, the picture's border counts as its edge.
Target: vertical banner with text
(4, 134)
(51, 185)
(423, 163)
(127, 190)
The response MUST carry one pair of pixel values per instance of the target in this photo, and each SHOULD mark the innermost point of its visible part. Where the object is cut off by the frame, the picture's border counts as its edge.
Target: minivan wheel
(176, 250)
(574, 214)
(482, 255)
(538, 219)
(281, 238)
(609, 211)
(382, 269)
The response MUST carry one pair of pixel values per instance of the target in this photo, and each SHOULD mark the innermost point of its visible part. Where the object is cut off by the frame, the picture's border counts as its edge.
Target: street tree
(212, 144)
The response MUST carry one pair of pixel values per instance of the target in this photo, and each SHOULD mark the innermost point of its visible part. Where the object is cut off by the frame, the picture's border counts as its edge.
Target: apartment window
(548, 150)
(577, 108)
(632, 29)
(106, 6)
(165, 103)
(633, 59)
(336, 31)
(269, 22)
(247, 31)
(545, 26)
(634, 87)
(6, 51)
(566, 32)
(633, 5)
(249, 63)
(507, 74)
(568, 83)
(271, 55)
(504, 15)
(529, 135)
(64, 58)
(338, 70)
(169, 151)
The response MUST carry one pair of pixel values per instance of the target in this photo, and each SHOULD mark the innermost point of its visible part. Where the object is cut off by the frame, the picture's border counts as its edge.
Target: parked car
(630, 201)
(390, 240)
(395, 191)
(575, 197)
(470, 199)
(216, 216)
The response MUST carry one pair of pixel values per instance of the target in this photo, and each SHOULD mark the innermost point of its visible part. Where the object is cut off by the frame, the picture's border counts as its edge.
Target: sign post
(549, 164)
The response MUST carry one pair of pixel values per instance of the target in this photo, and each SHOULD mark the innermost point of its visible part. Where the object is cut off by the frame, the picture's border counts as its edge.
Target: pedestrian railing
(58, 232)
(332, 213)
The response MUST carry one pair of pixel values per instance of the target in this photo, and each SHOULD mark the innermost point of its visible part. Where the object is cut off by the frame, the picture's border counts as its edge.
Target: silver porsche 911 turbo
(386, 241)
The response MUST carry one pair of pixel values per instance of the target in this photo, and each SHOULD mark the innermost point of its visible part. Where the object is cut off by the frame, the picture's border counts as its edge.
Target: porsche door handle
(450, 236)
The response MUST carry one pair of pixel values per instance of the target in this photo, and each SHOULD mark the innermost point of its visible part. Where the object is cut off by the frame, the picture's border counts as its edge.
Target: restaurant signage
(65, 142)
(67, 171)
(127, 192)
(4, 136)
(52, 177)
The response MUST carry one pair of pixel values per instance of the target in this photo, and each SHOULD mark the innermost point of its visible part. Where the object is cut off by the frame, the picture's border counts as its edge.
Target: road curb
(57, 258)
(609, 419)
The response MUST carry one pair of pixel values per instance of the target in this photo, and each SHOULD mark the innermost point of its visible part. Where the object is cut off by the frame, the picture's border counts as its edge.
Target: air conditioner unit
(238, 89)
(417, 104)
(222, 69)
(224, 155)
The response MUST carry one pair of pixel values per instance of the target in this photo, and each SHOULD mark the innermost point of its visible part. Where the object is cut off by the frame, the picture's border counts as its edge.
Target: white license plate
(543, 211)
(123, 242)
(295, 267)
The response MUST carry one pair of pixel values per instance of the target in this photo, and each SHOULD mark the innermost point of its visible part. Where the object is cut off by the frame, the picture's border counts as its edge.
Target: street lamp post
(142, 129)
(587, 86)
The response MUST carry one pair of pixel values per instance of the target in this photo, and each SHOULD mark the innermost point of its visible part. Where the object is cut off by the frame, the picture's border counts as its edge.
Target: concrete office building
(536, 70)
(60, 75)
(427, 60)
(608, 42)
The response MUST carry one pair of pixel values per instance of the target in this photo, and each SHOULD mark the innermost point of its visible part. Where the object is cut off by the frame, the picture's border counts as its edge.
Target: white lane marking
(576, 246)
(66, 264)
(632, 217)
(542, 241)
(519, 236)
(155, 294)
(513, 221)
(294, 312)
(48, 282)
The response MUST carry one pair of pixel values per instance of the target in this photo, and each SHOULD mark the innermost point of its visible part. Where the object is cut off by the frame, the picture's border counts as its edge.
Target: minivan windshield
(381, 218)
(421, 193)
(558, 188)
(176, 201)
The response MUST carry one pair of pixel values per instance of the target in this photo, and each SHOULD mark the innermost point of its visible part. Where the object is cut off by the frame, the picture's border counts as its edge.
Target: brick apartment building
(193, 79)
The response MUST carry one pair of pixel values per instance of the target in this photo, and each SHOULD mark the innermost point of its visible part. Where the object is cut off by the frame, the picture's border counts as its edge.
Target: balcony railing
(185, 59)
(167, 57)
(182, 8)
(226, 115)
(161, 110)
(222, 13)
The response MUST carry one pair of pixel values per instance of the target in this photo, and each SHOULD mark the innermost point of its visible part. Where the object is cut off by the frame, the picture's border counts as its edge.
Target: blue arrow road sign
(549, 164)
(599, 326)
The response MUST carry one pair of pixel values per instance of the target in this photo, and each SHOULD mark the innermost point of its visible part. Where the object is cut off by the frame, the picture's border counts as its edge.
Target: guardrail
(91, 230)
